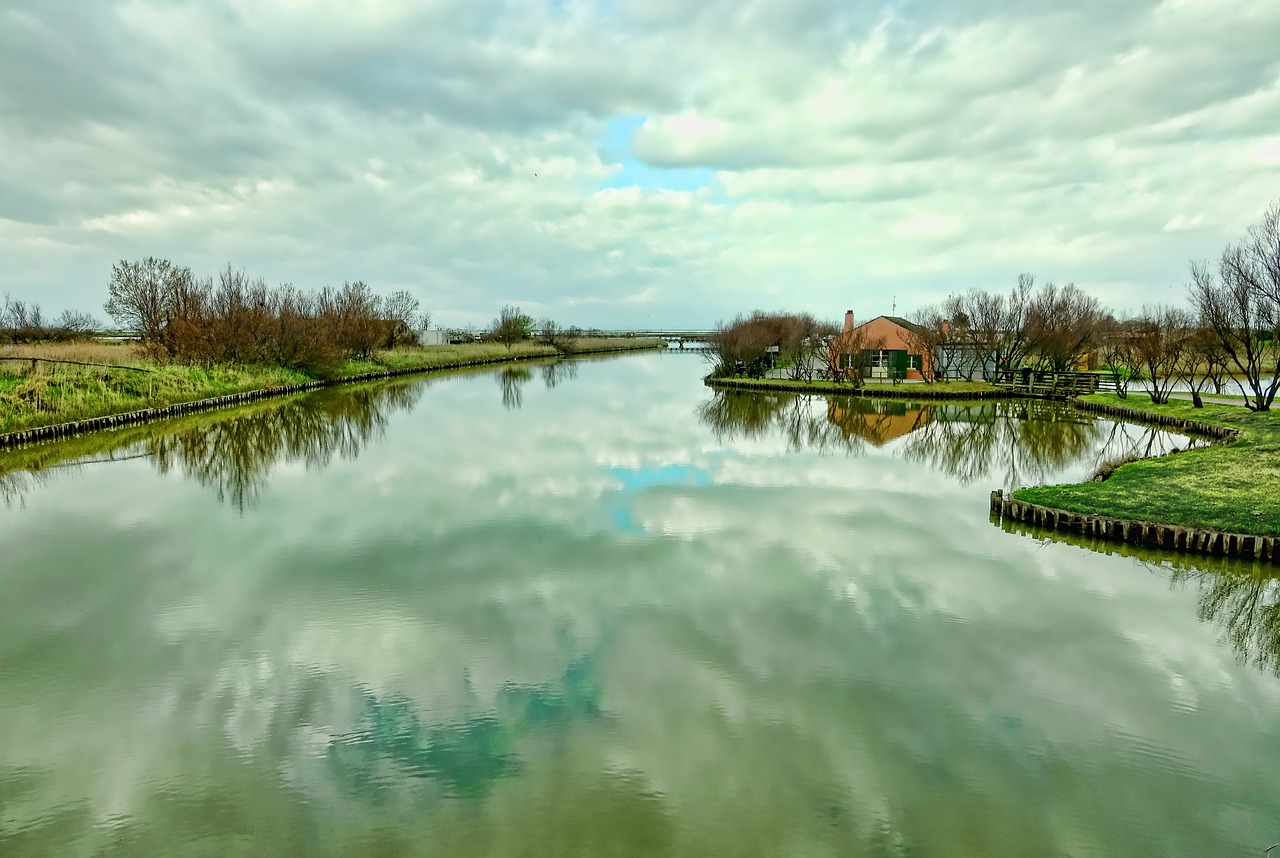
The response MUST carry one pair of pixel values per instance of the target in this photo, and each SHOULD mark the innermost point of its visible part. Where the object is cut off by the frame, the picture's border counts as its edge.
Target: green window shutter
(899, 363)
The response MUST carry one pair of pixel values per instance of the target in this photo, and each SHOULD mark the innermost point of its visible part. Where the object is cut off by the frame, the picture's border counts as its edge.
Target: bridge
(681, 339)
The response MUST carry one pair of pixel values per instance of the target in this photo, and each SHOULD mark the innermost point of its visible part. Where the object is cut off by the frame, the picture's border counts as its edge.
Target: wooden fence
(1053, 384)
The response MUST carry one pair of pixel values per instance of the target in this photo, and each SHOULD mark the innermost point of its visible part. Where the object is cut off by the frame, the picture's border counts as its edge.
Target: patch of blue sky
(635, 480)
(631, 172)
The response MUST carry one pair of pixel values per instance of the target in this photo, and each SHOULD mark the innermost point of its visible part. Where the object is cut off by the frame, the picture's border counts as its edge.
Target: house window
(879, 359)
(913, 361)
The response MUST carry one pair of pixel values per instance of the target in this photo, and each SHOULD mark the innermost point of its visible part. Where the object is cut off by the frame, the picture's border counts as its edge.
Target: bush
(236, 319)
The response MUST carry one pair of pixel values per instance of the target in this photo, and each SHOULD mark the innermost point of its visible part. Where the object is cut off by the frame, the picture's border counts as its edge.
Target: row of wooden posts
(1144, 533)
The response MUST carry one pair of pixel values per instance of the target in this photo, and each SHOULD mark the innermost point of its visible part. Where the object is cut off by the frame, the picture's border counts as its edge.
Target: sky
(636, 163)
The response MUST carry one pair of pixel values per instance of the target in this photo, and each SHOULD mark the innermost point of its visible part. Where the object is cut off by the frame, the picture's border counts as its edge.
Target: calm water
(593, 610)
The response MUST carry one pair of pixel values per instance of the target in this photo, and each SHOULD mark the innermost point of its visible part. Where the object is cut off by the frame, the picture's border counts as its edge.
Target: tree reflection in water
(1244, 606)
(512, 379)
(235, 457)
(14, 486)
(1015, 441)
(558, 372)
(735, 414)
(1240, 597)
(232, 453)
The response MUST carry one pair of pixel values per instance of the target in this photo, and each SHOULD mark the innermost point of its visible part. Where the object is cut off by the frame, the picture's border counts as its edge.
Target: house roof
(900, 322)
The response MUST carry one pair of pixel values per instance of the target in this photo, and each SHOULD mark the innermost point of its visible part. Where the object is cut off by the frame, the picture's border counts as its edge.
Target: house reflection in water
(878, 421)
(1009, 443)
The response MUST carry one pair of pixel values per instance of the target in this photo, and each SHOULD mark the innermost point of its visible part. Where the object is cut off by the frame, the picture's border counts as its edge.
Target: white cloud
(455, 148)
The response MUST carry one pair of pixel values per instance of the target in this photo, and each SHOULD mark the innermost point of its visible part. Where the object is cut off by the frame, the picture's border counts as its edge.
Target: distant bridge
(662, 333)
(679, 339)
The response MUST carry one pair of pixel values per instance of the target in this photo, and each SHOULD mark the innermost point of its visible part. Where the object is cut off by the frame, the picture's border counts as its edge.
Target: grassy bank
(51, 393)
(947, 389)
(1231, 487)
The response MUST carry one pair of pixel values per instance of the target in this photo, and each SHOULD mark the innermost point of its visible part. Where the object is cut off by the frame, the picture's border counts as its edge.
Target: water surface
(592, 608)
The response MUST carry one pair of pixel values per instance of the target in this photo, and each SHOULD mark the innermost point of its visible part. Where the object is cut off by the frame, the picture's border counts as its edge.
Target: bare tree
(25, 323)
(994, 329)
(238, 319)
(936, 336)
(1256, 259)
(740, 345)
(300, 340)
(1063, 323)
(356, 313)
(403, 317)
(1203, 363)
(743, 345)
(140, 292)
(73, 324)
(848, 355)
(809, 356)
(1116, 349)
(510, 327)
(974, 324)
(560, 338)
(1244, 319)
(1160, 337)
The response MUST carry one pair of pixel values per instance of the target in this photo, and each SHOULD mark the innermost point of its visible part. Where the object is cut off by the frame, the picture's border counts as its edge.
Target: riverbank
(1214, 564)
(49, 399)
(1227, 488)
(919, 391)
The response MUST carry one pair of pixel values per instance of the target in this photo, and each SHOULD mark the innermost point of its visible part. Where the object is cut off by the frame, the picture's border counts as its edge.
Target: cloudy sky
(629, 163)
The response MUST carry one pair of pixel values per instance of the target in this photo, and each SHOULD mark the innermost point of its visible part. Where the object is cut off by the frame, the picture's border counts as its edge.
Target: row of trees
(969, 335)
(512, 326)
(233, 318)
(1229, 330)
(21, 323)
(1052, 327)
(799, 343)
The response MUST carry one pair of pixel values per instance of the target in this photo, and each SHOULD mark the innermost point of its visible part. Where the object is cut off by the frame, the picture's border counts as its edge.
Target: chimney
(848, 321)
(946, 328)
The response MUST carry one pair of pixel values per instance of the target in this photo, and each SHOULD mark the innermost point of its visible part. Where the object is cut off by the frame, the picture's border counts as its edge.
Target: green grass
(1232, 487)
(434, 357)
(915, 389)
(65, 394)
(57, 393)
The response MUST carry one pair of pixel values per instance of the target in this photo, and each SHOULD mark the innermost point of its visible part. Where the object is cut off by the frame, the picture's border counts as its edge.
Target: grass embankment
(1233, 487)
(916, 390)
(54, 393)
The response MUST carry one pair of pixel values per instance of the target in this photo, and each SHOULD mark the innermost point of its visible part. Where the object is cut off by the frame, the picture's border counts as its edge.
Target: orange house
(885, 347)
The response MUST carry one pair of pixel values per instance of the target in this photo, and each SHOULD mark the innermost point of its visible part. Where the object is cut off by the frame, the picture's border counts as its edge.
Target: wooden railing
(1054, 384)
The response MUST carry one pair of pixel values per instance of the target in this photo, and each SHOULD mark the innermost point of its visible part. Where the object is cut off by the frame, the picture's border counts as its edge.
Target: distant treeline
(233, 318)
(21, 323)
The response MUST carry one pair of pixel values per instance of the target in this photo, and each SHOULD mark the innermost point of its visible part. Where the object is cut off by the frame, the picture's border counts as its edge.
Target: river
(592, 608)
